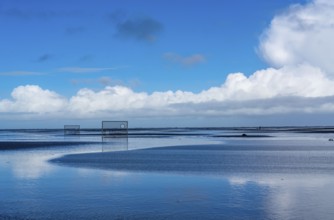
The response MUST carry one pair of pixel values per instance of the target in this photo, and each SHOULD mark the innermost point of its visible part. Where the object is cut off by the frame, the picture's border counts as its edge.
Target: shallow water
(33, 188)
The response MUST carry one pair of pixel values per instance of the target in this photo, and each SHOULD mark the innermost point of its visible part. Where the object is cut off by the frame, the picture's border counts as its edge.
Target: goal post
(71, 129)
(115, 128)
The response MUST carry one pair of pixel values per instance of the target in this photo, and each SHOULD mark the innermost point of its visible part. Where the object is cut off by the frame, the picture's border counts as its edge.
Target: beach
(211, 159)
(168, 174)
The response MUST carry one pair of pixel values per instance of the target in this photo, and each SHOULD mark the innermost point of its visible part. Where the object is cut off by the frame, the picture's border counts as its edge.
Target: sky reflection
(88, 193)
(33, 188)
(290, 196)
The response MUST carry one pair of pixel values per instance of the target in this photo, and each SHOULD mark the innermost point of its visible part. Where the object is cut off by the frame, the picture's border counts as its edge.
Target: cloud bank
(300, 88)
(297, 45)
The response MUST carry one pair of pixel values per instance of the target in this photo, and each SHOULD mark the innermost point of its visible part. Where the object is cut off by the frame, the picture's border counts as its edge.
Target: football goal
(71, 129)
(114, 128)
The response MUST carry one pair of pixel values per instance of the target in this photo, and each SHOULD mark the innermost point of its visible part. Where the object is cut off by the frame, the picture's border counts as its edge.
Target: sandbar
(214, 159)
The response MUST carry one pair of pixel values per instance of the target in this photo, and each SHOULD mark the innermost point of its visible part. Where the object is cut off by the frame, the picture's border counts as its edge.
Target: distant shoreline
(253, 128)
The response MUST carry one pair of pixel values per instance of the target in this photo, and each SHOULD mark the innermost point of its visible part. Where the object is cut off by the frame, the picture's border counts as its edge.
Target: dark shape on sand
(243, 136)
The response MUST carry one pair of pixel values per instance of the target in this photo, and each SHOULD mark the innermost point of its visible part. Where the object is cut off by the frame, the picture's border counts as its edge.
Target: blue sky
(65, 51)
(45, 36)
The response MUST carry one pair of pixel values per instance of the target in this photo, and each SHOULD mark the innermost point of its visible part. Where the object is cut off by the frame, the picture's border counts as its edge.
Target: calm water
(290, 184)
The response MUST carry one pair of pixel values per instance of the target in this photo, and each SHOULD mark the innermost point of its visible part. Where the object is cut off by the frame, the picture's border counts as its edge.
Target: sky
(166, 63)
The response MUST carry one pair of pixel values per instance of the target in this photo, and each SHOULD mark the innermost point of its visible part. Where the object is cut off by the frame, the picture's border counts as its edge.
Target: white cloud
(298, 44)
(111, 99)
(301, 88)
(33, 99)
(302, 34)
(300, 80)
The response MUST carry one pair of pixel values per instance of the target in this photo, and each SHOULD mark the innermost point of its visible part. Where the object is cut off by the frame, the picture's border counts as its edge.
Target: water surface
(288, 175)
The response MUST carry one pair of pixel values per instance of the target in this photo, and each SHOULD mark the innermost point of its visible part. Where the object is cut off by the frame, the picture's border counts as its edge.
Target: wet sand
(287, 176)
(214, 159)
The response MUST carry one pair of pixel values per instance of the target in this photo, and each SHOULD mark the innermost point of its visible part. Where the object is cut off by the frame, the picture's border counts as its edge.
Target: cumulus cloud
(298, 45)
(301, 80)
(185, 60)
(294, 89)
(33, 99)
(301, 34)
